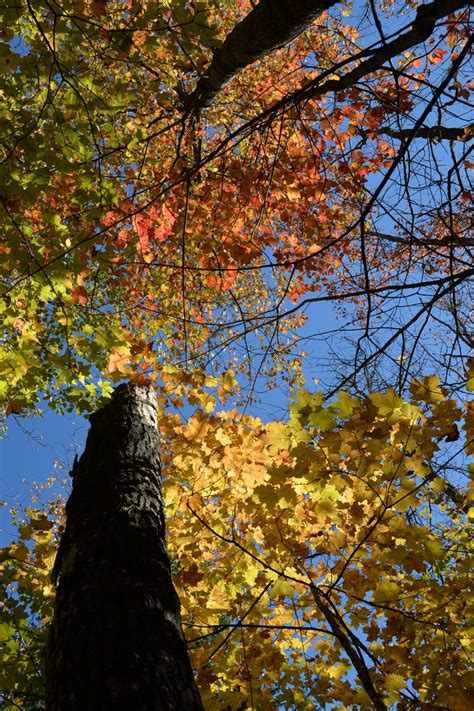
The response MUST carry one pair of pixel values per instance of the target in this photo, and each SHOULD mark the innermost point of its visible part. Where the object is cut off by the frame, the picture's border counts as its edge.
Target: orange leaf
(79, 296)
(118, 359)
(18, 324)
(13, 408)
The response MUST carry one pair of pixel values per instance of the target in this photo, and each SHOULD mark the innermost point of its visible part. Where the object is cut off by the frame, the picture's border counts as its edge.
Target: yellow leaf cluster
(340, 503)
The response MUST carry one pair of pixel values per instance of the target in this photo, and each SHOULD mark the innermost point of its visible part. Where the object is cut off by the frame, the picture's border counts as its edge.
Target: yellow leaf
(428, 389)
(330, 492)
(386, 591)
(282, 588)
(386, 403)
(265, 495)
(228, 381)
(218, 600)
(394, 682)
(250, 574)
(337, 671)
(118, 359)
(435, 549)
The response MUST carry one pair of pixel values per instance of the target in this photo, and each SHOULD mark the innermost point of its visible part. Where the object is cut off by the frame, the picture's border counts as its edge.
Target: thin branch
(355, 657)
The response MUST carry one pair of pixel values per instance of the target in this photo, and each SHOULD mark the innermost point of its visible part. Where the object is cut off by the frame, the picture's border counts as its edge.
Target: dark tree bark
(270, 25)
(116, 640)
(433, 133)
(421, 30)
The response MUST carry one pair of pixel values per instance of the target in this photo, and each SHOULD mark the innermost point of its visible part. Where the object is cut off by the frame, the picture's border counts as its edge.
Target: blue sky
(35, 448)
(31, 451)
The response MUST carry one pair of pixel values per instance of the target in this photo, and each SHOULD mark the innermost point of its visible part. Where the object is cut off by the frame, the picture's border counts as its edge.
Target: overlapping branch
(270, 25)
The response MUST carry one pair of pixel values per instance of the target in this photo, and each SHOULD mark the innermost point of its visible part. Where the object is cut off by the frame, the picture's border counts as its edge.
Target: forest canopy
(227, 201)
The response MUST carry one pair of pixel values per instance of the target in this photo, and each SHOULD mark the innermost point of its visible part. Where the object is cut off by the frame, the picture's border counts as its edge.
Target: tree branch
(348, 646)
(424, 241)
(270, 25)
(421, 30)
(432, 133)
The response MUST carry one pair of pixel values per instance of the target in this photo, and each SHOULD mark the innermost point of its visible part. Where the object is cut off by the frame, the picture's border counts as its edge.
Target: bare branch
(424, 241)
(433, 133)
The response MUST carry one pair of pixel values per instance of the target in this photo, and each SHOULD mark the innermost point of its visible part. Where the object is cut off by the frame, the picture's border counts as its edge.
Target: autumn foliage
(136, 230)
(192, 242)
(321, 558)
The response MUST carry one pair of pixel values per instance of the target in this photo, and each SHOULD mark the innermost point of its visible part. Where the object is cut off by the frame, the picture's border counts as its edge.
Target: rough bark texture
(271, 24)
(116, 640)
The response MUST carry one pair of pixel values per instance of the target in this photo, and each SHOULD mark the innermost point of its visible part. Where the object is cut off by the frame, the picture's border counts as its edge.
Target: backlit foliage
(321, 559)
(136, 231)
(307, 554)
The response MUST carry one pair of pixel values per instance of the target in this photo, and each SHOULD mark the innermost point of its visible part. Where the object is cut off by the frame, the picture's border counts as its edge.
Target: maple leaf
(119, 359)
(13, 408)
(79, 296)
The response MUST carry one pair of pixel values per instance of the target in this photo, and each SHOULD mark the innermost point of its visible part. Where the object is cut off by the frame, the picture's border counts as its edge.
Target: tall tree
(116, 639)
(180, 182)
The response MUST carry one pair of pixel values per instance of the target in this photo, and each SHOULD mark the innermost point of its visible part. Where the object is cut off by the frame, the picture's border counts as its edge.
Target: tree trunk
(116, 640)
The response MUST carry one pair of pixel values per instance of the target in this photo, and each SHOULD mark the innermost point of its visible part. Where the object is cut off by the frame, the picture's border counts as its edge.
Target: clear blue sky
(31, 451)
